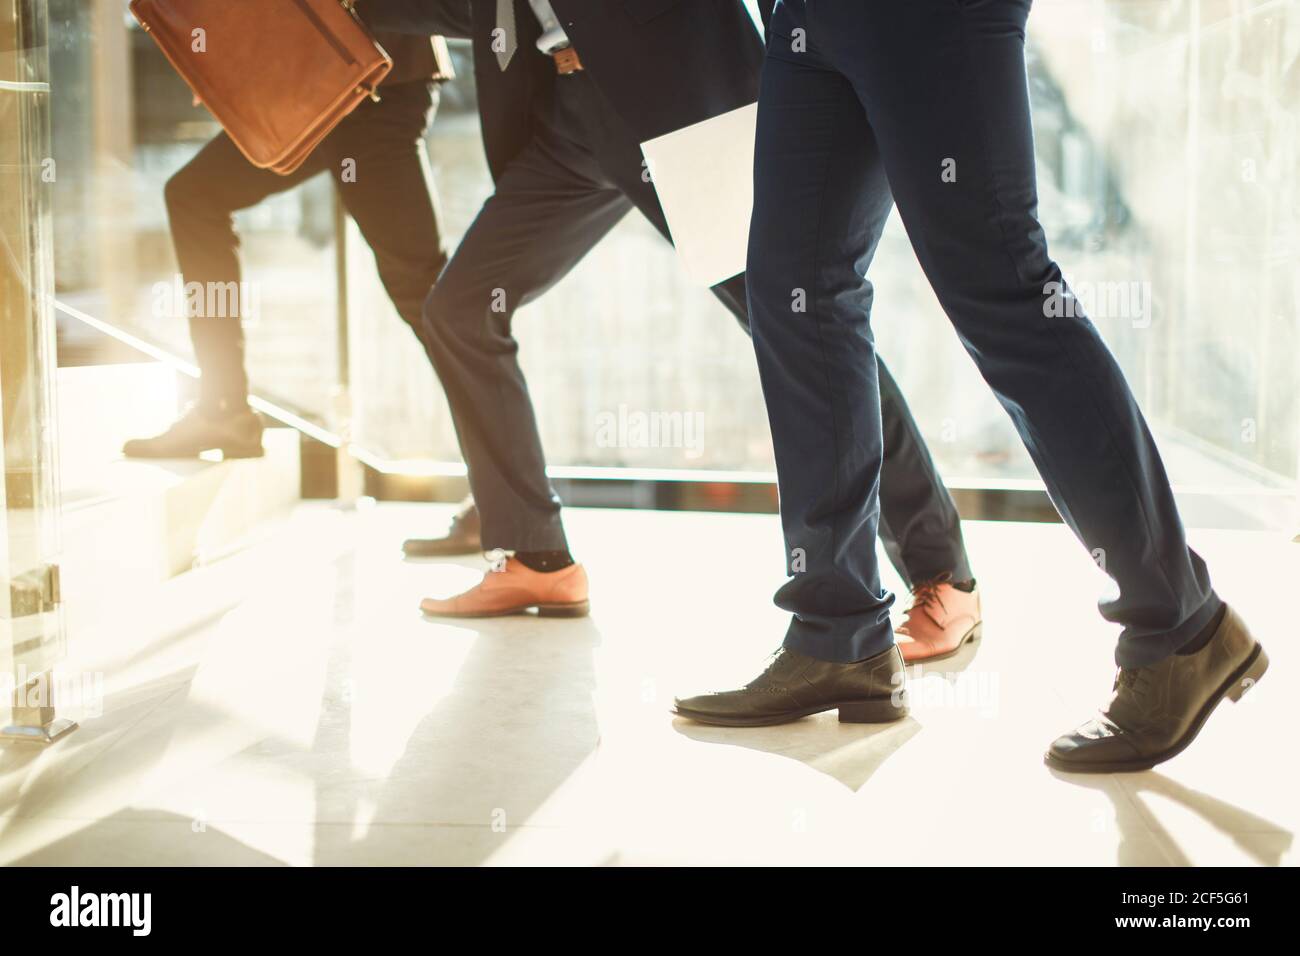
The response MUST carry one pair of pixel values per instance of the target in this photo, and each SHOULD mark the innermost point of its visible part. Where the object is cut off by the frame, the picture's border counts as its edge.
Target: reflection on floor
(289, 705)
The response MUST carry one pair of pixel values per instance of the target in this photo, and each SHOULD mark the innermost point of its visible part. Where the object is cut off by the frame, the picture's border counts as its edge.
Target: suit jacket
(662, 64)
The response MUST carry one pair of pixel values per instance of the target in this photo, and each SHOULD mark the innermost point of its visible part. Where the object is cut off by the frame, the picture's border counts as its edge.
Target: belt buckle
(566, 61)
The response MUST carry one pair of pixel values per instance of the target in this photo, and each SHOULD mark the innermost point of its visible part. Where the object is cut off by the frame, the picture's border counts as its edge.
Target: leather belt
(566, 61)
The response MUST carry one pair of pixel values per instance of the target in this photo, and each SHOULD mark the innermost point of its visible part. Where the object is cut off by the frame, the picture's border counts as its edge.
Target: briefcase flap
(274, 73)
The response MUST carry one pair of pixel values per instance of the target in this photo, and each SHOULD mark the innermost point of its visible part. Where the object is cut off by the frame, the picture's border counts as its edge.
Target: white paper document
(704, 175)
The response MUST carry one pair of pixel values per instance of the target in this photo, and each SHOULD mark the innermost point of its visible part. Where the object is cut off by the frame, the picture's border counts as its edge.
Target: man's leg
(389, 191)
(549, 208)
(821, 200)
(381, 164)
(920, 530)
(551, 205)
(946, 91)
(201, 200)
(919, 524)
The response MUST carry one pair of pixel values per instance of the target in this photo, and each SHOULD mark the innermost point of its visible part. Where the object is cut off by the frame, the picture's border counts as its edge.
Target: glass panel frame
(32, 634)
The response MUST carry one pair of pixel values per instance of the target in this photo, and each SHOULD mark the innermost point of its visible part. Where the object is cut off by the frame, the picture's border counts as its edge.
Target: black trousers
(576, 180)
(926, 103)
(377, 155)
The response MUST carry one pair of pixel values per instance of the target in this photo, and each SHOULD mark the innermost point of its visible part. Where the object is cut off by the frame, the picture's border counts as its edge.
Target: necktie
(506, 24)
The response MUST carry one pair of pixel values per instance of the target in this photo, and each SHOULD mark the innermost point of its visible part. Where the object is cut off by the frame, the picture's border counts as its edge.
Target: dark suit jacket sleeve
(449, 18)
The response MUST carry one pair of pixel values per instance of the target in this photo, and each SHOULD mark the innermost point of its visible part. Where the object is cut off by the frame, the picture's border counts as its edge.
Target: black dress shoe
(236, 433)
(1155, 712)
(795, 685)
(463, 536)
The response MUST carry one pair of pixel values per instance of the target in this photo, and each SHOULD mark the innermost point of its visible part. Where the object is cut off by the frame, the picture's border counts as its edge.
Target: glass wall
(1167, 136)
(1185, 121)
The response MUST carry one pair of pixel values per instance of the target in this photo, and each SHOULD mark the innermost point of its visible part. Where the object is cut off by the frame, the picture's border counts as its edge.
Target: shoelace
(924, 595)
(1131, 679)
(769, 665)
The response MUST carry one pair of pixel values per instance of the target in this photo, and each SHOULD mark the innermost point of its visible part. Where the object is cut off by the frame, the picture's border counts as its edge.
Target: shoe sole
(882, 711)
(971, 637)
(227, 454)
(575, 609)
(425, 548)
(1234, 688)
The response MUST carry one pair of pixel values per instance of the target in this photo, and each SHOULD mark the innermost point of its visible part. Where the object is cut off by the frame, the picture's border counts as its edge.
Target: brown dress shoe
(463, 536)
(939, 622)
(515, 589)
(795, 685)
(235, 432)
(1155, 712)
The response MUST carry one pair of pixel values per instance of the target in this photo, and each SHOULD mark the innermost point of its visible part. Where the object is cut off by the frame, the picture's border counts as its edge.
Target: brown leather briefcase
(278, 75)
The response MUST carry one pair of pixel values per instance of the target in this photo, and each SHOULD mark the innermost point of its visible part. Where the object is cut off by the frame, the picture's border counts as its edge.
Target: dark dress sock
(544, 561)
(1207, 632)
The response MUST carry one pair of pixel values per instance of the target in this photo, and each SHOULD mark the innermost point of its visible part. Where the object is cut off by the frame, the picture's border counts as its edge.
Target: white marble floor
(289, 705)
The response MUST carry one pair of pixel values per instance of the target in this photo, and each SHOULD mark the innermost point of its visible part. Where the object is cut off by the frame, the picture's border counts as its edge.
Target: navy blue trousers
(924, 103)
(580, 175)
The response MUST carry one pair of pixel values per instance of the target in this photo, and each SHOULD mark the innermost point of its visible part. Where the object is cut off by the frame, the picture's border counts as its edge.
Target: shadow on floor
(1238, 824)
(850, 753)
(117, 840)
(518, 722)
